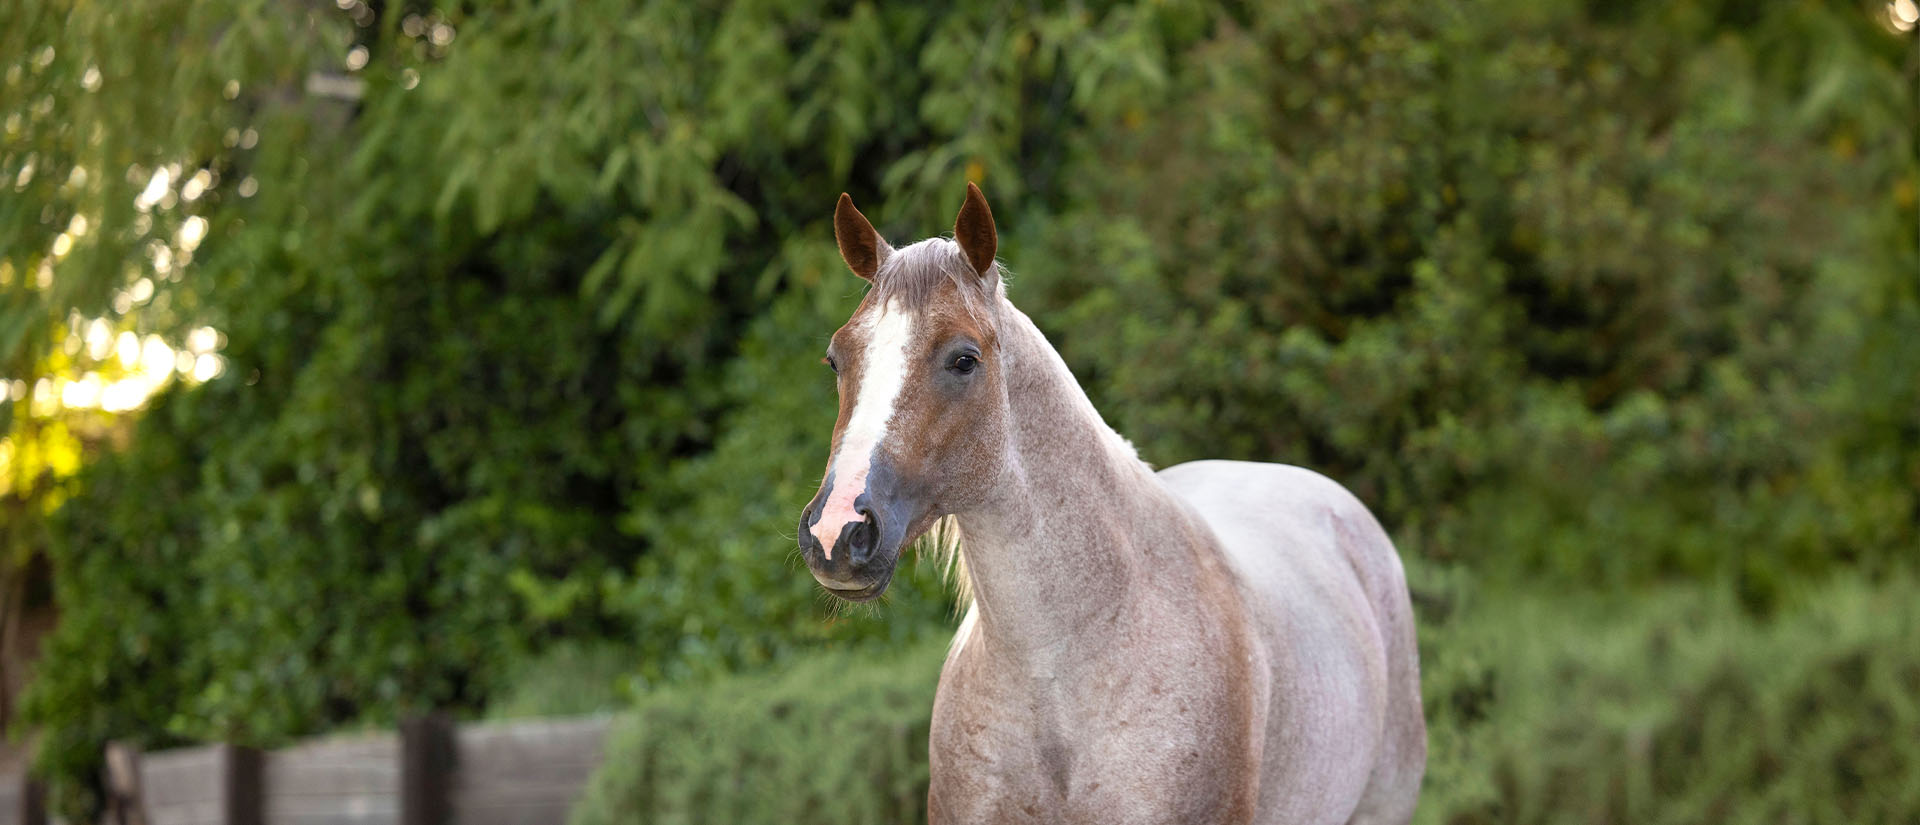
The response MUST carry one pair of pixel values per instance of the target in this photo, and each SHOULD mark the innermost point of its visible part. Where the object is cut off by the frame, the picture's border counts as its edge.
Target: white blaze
(883, 371)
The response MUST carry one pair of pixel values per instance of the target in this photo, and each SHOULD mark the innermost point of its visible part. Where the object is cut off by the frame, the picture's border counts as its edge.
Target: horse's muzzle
(864, 552)
(852, 573)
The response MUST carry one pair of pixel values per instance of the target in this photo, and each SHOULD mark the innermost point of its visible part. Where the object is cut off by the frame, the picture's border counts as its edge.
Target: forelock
(913, 275)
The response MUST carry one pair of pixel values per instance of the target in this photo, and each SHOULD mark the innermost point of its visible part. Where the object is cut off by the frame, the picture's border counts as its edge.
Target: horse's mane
(941, 545)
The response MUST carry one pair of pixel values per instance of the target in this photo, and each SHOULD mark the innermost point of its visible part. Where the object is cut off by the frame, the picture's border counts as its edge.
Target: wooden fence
(430, 772)
(20, 800)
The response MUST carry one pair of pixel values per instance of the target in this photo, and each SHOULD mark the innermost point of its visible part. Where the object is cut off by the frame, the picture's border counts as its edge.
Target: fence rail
(20, 801)
(430, 772)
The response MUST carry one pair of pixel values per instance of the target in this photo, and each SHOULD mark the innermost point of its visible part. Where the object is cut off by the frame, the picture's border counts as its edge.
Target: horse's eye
(828, 360)
(964, 364)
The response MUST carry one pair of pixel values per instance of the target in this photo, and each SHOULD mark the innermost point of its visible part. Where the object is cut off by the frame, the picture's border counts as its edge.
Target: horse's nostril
(861, 538)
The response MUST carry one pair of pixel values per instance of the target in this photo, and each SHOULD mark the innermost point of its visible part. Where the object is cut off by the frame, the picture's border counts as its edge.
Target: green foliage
(140, 646)
(1675, 706)
(569, 678)
(1562, 298)
(839, 738)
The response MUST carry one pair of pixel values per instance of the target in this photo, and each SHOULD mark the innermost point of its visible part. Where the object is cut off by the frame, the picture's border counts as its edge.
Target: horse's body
(1221, 642)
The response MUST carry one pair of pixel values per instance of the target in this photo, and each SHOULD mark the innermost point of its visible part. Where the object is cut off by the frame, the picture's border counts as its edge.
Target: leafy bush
(1673, 707)
(1676, 707)
(838, 738)
(571, 678)
(1590, 300)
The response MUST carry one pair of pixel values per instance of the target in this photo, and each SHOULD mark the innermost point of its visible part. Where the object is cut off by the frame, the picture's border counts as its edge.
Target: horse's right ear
(973, 231)
(862, 248)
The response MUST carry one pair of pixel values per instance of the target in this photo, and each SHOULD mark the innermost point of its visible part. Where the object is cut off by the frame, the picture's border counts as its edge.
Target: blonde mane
(941, 545)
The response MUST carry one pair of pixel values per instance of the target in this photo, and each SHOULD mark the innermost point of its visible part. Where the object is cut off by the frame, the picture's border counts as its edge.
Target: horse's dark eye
(964, 364)
(828, 360)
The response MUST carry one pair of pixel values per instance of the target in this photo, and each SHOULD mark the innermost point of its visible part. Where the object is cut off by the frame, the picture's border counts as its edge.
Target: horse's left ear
(973, 230)
(862, 248)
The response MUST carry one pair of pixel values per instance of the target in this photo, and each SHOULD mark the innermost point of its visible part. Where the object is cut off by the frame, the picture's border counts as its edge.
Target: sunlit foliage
(115, 145)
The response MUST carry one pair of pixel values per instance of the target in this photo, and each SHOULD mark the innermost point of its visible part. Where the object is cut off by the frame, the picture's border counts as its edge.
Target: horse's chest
(1134, 744)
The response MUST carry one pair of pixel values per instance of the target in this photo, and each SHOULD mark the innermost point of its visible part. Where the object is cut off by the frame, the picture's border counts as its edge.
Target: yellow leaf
(1843, 145)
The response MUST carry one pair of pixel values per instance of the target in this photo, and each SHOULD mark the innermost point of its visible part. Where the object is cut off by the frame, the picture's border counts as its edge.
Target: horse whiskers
(838, 608)
(796, 559)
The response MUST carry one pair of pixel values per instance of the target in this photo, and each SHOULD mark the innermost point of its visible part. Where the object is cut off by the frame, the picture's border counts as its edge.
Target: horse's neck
(1079, 528)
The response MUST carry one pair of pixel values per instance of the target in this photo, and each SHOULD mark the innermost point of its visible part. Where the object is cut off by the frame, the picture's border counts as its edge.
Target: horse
(1216, 642)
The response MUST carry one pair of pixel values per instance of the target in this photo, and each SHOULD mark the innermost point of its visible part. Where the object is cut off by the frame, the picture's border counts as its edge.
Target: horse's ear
(973, 230)
(862, 248)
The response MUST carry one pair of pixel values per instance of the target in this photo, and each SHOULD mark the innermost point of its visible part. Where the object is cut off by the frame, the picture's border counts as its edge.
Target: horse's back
(1347, 739)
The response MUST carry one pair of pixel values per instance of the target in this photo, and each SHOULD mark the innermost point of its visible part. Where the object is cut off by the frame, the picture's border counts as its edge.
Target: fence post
(241, 791)
(25, 799)
(124, 803)
(426, 770)
(33, 802)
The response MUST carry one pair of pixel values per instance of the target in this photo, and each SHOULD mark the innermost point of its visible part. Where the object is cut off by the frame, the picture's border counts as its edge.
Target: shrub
(1566, 296)
(837, 738)
(1676, 707)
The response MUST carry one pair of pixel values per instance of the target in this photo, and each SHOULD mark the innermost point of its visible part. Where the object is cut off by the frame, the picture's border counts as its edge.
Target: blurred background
(365, 358)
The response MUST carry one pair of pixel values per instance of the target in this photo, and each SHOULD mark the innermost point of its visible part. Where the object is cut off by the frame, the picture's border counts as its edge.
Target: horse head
(922, 427)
